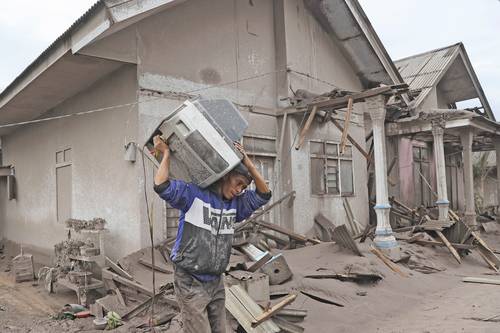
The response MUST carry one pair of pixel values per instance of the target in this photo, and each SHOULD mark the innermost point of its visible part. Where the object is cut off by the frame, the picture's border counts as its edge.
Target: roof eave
(50, 55)
(374, 41)
(477, 84)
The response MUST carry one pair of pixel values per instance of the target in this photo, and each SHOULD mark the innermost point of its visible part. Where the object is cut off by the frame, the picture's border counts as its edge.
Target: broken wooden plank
(112, 285)
(342, 237)
(291, 234)
(158, 266)
(341, 102)
(488, 261)
(259, 263)
(347, 120)
(114, 266)
(275, 238)
(245, 310)
(481, 280)
(350, 217)
(490, 227)
(144, 305)
(352, 140)
(493, 260)
(351, 277)
(106, 273)
(387, 262)
(272, 310)
(264, 211)
(304, 130)
(428, 242)
(449, 246)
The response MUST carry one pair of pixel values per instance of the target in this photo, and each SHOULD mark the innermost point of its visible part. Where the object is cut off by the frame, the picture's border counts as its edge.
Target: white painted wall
(104, 184)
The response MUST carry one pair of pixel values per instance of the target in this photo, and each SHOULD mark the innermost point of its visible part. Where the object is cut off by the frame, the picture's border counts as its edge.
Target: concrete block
(277, 269)
(255, 284)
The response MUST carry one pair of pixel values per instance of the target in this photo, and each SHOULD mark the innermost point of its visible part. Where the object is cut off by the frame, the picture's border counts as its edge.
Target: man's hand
(260, 183)
(160, 145)
(240, 148)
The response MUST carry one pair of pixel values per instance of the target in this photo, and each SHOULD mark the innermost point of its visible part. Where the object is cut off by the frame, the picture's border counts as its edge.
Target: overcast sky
(406, 27)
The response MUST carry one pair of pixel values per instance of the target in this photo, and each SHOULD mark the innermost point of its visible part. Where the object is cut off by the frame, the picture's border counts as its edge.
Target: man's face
(234, 185)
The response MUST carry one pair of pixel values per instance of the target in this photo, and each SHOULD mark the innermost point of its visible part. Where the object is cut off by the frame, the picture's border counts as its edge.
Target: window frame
(338, 158)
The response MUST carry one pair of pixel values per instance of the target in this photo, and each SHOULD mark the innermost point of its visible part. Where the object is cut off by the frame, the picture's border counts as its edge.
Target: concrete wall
(103, 183)
(200, 43)
(306, 204)
(310, 49)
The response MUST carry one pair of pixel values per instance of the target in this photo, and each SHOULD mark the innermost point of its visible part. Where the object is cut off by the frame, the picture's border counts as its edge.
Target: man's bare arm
(162, 173)
(260, 183)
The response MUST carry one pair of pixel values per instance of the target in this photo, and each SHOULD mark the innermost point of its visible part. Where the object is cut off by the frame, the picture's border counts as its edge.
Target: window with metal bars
(331, 172)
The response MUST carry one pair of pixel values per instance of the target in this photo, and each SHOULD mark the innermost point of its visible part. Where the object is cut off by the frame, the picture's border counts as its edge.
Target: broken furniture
(91, 254)
(80, 279)
(81, 289)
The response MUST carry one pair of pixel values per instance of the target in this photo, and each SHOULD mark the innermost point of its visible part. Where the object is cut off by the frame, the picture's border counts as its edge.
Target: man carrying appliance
(203, 244)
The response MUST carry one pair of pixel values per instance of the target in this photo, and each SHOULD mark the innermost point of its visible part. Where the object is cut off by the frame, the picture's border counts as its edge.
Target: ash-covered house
(432, 146)
(106, 82)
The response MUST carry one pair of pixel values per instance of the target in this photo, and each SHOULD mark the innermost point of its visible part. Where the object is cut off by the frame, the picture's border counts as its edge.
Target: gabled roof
(427, 70)
(60, 71)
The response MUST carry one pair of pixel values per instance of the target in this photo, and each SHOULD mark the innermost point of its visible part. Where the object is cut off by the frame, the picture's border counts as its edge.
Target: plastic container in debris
(200, 135)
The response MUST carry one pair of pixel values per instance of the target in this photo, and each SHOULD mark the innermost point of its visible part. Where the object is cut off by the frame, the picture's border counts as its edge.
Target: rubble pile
(276, 278)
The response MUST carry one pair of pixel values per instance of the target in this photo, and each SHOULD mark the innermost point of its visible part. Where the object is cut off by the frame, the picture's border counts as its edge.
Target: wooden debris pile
(420, 226)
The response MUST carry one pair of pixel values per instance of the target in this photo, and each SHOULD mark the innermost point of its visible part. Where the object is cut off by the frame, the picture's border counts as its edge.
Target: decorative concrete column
(466, 137)
(384, 238)
(497, 151)
(442, 191)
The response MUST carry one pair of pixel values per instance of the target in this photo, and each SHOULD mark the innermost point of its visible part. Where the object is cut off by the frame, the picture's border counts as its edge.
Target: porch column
(466, 137)
(384, 238)
(439, 160)
(497, 151)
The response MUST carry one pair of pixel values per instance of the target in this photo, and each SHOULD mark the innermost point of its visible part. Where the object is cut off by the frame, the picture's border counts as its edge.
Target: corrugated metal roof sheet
(95, 7)
(422, 71)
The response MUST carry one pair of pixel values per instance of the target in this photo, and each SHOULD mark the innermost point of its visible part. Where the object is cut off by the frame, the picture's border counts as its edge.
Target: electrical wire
(34, 121)
(111, 107)
(314, 78)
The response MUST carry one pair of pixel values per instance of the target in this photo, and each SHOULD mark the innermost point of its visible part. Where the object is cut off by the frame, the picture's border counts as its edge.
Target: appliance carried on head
(200, 135)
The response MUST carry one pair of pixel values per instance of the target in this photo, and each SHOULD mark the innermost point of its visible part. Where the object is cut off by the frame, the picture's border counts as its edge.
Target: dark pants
(202, 303)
